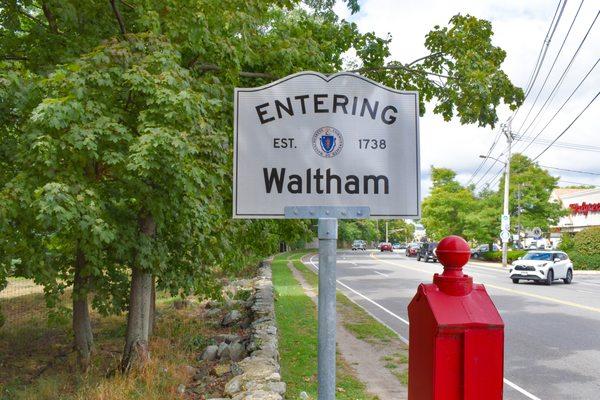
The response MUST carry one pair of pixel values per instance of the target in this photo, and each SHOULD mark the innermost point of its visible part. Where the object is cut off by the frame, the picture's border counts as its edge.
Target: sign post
(321, 147)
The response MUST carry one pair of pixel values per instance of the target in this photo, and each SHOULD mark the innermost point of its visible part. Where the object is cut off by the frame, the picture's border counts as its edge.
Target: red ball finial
(453, 252)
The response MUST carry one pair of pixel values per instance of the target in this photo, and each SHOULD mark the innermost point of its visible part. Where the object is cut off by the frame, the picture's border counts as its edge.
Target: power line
(486, 157)
(561, 80)
(542, 52)
(568, 126)
(570, 170)
(579, 183)
(564, 103)
(564, 145)
(553, 64)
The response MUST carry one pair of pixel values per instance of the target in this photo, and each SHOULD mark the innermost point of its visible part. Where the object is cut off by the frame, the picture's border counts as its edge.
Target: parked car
(412, 249)
(359, 245)
(427, 252)
(542, 266)
(386, 246)
(478, 251)
(396, 246)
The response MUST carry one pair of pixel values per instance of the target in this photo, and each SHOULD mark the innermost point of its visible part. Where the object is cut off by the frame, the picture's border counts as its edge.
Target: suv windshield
(538, 256)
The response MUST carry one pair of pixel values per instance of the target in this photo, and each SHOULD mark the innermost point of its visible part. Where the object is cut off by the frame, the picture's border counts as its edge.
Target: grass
(360, 323)
(363, 326)
(297, 325)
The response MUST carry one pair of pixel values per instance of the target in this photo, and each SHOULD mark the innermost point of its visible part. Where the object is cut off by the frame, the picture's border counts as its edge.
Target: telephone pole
(506, 130)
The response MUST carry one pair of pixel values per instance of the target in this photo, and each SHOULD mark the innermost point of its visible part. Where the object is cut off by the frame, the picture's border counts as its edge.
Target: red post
(456, 349)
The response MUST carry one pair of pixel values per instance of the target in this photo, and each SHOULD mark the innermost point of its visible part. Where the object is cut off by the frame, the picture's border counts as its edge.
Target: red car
(386, 247)
(412, 250)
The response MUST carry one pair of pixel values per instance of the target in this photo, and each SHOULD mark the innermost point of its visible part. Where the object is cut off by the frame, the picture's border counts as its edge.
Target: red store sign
(584, 208)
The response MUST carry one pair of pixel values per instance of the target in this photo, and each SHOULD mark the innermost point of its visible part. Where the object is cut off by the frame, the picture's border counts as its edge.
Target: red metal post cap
(453, 252)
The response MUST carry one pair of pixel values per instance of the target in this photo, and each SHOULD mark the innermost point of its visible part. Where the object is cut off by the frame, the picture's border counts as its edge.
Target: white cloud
(520, 28)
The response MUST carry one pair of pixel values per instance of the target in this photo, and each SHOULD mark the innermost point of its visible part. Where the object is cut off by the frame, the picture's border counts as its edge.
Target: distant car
(359, 245)
(427, 252)
(478, 251)
(386, 247)
(412, 249)
(542, 266)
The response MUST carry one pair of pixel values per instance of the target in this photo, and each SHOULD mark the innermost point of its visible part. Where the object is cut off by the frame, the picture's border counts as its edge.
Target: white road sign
(504, 236)
(505, 222)
(315, 140)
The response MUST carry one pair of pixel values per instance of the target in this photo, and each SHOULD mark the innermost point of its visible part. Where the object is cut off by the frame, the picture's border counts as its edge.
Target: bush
(585, 261)
(496, 256)
(567, 242)
(587, 242)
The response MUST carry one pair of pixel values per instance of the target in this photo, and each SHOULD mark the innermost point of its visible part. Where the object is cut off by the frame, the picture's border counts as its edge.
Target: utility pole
(506, 129)
(519, 194)
(386, 231)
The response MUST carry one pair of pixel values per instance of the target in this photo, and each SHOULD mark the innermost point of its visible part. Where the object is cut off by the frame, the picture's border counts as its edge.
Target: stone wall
(257, 376)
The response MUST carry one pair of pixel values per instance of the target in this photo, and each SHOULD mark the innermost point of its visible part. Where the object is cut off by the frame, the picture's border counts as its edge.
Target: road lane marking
(521, 390)
(509, 383)
(382, 274)
(535, 296)
(540, 297)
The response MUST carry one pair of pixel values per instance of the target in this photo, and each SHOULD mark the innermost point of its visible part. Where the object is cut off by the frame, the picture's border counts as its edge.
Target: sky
(520, 27)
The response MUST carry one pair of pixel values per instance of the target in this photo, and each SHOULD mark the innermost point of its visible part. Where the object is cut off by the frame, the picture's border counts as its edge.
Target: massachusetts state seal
(327, 142)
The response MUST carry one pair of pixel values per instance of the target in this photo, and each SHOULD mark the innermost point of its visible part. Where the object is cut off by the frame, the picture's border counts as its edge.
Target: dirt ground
(368, 360)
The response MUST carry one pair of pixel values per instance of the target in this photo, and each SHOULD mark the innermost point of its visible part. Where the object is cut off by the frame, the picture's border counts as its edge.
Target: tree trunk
(82, 327)
(152, 307)
(136, 352)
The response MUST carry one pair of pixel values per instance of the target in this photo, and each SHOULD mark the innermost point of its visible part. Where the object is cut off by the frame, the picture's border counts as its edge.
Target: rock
(181, 388)
(220, 370)
(224, 351)
(277, 387)
(233, 386)
(210, 353)
(200, 374)
(231, 318)
(236, 369)
(304, 396)
(237, 351)
(245, 324)
(227, 338)
(213, 312)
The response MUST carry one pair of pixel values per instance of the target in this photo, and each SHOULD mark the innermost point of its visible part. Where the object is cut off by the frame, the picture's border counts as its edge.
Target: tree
(534, 185)
(118, 135)
(446, 210)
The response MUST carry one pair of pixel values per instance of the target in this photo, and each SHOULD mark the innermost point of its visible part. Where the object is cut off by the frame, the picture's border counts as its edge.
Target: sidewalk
(492, 264)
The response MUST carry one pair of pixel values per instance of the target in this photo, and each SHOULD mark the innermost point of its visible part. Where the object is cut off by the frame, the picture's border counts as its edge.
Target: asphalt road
(552, 333)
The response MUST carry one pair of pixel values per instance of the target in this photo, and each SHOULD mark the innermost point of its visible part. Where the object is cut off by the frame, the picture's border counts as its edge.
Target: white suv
(544, 266)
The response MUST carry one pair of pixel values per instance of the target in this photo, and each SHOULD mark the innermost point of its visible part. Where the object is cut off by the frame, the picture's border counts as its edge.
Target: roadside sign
(537, 233)
(505, 222)
(326, 141)
(505, 236)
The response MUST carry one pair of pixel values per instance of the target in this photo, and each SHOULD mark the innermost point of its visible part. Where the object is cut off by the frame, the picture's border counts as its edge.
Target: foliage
(585, 261)
(496, 256)
(567, 242)
(587, 241)
(447, 208)
(535, 186)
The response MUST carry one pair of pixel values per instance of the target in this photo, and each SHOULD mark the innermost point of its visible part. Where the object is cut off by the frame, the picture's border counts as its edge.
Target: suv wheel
(549, 277)
(515, 280)
(569, 277)
(418, 257)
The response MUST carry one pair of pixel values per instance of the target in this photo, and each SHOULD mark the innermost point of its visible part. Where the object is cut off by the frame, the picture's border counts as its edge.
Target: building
(583, 206)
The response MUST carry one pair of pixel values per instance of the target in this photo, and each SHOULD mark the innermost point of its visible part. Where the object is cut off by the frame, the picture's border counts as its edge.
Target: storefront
(583, 206)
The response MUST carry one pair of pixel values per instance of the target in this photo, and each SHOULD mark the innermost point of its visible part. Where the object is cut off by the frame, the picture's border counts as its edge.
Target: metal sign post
(327, 233)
